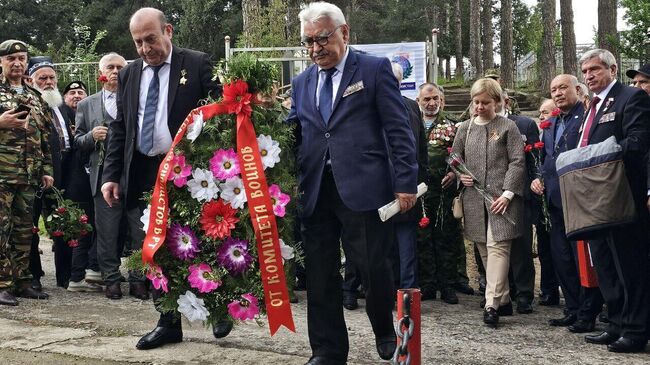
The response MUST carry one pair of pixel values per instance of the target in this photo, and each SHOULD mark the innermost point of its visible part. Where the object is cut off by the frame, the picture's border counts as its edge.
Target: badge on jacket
(607, 118)
(357, 86)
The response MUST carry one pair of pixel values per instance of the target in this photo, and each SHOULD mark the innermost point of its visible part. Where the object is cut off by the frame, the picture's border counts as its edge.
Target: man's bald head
(152, 35)
(564, 91)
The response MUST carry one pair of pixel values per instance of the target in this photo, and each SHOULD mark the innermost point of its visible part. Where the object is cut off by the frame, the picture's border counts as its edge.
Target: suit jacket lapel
(612, 94)
(312, 82)
(134, 95)
(174, 76)
(348, 73)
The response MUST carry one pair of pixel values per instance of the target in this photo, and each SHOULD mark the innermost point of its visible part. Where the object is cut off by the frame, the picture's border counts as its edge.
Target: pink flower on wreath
(279, 200)
(224, 164)
(202, 278)
(182, 242)
(179, 171)
(233, 255)
(244, 308)
(158, 280)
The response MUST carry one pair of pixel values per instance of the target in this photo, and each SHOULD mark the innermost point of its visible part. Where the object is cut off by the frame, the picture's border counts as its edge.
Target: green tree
(635, 42)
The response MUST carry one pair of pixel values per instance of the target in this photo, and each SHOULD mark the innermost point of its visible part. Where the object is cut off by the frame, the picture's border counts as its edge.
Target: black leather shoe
(627, 345)
(582, 326)
(6, 298)
(491, 317)
(505, 310)
(524, 307)
(30, 293)
(549, 299)
(386, 347)
(222, 329)
(603, 338)
(160, 336)
(448, 295)
(113, 291)
(36, 284)
(567, 320)
(350, 301)
(319, 360)
(464, 288)
(139, 290)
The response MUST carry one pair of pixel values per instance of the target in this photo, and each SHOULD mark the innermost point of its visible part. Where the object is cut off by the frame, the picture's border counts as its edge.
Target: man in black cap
(641, 77)
(25, 163)
(73, 93)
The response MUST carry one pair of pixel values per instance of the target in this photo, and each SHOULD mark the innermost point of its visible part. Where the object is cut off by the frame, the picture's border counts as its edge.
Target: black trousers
(621, 259)
(522, 269)
(586, 303)
(368, 240)
(548, 282)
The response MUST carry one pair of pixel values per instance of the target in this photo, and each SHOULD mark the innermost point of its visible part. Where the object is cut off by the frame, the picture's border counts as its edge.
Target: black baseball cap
(644, 70)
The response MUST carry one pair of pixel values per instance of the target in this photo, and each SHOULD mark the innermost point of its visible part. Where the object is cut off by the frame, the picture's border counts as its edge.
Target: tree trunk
(488, 35)
(607, 34)
(458, 41)
(250, 10)
(475, 36)
(569, 62)
(507, 61)
(448, 68)
(547, 60)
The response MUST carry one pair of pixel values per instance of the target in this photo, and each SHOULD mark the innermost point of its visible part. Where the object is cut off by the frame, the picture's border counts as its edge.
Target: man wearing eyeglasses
(356, 153)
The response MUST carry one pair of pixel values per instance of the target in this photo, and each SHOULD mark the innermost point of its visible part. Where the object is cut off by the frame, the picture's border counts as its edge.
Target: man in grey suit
(93, 116)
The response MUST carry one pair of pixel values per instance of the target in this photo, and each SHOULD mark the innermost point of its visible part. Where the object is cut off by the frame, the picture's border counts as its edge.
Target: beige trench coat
(494, 153)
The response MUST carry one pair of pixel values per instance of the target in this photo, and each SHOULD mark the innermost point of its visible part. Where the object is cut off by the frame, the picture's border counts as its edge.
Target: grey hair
(605, 56)
(397, 71)
(433, 85)
(318, 10)
(583, 89)
(110, 56)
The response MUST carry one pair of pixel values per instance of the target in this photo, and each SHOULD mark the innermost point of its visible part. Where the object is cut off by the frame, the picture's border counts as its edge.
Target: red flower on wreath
(218, 218)
(539, 145)
(237, 97)
(556, 112)
(545, 124)
(528, 148)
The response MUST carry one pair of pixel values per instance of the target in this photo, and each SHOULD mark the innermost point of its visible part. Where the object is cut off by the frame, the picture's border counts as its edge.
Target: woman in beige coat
(493, 151)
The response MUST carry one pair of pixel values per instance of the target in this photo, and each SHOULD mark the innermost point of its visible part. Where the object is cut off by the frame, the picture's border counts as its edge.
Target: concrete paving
(87, 328)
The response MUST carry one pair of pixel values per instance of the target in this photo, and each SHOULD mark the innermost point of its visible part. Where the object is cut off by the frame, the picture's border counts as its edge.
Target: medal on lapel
(183, 80)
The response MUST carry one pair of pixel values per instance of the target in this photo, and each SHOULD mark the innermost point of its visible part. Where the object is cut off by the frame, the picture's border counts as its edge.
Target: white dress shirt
(336, 79)
(601, 95)
(109, 100)
(162, 138)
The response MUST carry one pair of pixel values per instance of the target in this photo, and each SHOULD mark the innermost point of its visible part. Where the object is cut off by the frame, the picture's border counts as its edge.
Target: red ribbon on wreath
(237, 101)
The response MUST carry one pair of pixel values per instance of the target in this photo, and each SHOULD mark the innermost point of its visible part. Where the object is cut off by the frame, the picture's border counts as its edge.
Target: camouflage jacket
(24, 152)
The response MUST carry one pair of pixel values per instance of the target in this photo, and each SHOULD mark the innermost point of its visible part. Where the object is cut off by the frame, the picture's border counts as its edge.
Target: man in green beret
(25, 163)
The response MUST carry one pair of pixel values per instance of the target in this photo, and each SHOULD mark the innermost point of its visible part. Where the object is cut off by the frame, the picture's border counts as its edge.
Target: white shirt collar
(341, 65)
(167, 61)
(603, 94)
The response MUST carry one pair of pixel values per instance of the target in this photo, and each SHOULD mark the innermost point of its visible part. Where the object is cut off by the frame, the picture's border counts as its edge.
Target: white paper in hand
(392, 208)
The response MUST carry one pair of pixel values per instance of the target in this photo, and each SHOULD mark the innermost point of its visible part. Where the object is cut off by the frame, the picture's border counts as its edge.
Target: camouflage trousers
(16, 204)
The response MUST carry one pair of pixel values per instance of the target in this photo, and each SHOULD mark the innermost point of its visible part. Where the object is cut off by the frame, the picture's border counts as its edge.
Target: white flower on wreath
(232, 191)
(203, 187)
(286, 251)
(269, 150)
(194, 129)
(145, 218)
(192, 307)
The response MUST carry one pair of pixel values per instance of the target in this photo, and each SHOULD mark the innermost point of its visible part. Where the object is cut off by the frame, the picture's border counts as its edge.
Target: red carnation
(57, 233)
(424, 221)
(528, 148)
(102, 79)
(60, 210)
(217, 219)
(539, 145)
(83, 218)
(73, 243)
(556, 112)
(545, 124)
(34, 230)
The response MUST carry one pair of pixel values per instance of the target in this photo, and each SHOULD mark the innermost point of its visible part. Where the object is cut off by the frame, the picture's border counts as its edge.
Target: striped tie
(149, 118)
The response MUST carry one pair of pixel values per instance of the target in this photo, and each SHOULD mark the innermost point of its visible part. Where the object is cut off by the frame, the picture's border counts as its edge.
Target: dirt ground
(87, 328)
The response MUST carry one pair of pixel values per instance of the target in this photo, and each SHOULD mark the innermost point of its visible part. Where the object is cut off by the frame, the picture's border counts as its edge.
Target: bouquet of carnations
(67, 220)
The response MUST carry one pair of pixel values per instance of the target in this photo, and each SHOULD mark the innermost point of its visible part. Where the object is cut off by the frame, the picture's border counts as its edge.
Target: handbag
(457, 206)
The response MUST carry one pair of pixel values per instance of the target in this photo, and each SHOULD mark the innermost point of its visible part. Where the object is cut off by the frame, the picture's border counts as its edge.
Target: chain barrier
(404, 330)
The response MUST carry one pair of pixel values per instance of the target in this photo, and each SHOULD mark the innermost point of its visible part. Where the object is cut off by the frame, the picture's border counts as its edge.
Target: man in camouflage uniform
(441, 251)
(25, 162)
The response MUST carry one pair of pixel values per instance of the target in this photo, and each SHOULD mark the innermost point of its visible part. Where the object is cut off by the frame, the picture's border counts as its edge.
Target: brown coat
(494, 153)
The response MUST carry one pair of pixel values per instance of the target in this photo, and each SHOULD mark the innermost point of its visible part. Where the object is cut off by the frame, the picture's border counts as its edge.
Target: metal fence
(86, 72)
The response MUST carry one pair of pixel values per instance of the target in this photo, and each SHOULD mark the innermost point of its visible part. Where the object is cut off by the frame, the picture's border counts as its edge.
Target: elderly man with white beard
(69, 175)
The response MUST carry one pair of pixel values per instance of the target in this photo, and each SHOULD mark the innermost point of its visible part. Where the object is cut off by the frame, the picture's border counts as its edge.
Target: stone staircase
(457, 99)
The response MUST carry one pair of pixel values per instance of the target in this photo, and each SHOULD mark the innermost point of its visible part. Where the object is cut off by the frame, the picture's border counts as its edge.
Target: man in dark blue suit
(582, 304)
(356, 153)
(620, 253)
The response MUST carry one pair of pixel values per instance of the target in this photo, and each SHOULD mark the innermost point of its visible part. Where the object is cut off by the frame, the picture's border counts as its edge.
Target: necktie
(590, 121)
(560, 129)
(325, 95)
(110, 105)
(149, 118)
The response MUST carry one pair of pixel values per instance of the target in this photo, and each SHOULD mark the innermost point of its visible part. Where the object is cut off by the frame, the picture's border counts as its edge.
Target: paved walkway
(83, 328)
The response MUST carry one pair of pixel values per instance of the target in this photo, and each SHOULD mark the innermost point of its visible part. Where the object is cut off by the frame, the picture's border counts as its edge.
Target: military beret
(12, 46)
(75, 85)
(38, 62)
